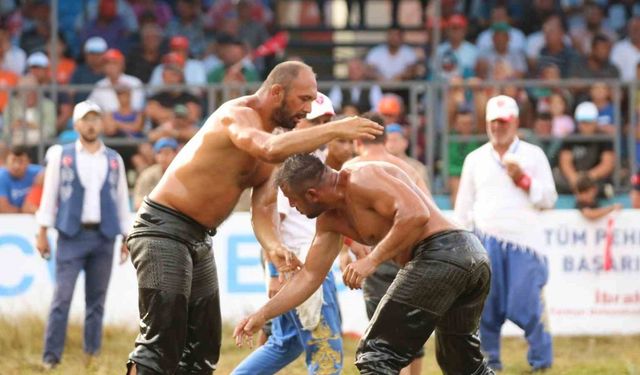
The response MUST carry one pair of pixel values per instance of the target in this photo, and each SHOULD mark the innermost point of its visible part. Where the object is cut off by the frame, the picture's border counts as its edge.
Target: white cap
(321, 106)
(502, 107)
(95, 44)
(81, 109)
(586, 112)
(38, 59)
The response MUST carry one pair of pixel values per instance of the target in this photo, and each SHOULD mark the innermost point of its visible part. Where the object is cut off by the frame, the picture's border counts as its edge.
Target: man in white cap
(85, 198)
(595, 158)
(314, 327)
(91, 71)
(38, 67)
(504, 185)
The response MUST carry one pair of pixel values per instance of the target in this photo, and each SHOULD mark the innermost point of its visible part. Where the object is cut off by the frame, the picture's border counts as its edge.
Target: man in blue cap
(165, 149)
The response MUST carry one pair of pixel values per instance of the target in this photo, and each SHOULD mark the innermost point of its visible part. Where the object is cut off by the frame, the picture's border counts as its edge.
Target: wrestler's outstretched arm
(391, 198)
(246, 135)
(266, 226)
(323, 252)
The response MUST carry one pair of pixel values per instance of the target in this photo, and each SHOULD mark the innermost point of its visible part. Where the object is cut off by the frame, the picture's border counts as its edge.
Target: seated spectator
(600, 95)
(165, 149)
(91, 9)
(397, 144)
(561, 123)
(16, 180)
(393, 61)
(33, 198)
(125, 122)
(92, 70)
(188, 23)
(27, 114)
(536, 40)
(500, 15)
(160, 106)
(194, 70)
(582, 34)
(179, 127)
(12, 58)
(595, 158)
(554, 49)
(500, 52)
(466, 53)
(147, 55)
(361, 99)
(109, 25)
(104, 93)
(143, 159)
(223, 9)
(459, 149)
(235, 68)
(38, 68)
(635, 190)
(626, 53)
(586, 194)
(37, 32)
(159, 8)
(596, 64)
(541, 95)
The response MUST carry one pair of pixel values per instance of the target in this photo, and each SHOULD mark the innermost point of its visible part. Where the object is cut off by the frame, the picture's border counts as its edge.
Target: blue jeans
(92, 252)
(323, 345)
(519, 275)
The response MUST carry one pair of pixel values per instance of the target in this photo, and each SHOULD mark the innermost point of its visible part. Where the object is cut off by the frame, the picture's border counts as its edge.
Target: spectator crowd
(147, 64)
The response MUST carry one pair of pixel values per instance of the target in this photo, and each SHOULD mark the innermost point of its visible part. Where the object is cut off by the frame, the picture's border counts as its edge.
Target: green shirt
(458, 151)
(217, 74)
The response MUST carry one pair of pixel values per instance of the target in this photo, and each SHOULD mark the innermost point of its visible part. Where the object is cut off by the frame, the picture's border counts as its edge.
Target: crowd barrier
(581, 297)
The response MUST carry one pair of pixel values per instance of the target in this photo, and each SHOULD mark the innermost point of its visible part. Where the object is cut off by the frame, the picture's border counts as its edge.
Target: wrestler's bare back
(209, 173)
(359, 220)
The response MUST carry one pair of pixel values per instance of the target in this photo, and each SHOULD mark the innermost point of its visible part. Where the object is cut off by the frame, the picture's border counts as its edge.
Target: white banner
(581, 297)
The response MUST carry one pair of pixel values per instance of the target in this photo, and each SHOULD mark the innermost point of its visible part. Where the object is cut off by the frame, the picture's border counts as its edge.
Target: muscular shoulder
(239, 115)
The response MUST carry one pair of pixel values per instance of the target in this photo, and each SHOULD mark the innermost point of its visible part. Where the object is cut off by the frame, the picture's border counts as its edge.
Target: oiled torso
(208, 175)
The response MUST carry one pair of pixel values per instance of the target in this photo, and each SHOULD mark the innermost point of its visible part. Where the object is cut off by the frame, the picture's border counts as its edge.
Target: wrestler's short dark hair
(300, 171)
(284, 73)
(377, 118)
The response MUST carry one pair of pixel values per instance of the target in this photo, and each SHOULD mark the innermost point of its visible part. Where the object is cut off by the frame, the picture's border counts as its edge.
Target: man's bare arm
(7, 208)
(266, 224)
(275, 148)
(323, 251)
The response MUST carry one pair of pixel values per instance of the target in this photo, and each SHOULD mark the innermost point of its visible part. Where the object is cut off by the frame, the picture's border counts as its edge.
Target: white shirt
(626, 57)
(466, 54)
(15, 60)
(489, 201)
(389, 65)
(92, 172)
(517, 40)
(105, 96)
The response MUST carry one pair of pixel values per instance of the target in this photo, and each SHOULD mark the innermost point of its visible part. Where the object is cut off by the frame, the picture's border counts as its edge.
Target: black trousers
(180, 326)
(442, 288)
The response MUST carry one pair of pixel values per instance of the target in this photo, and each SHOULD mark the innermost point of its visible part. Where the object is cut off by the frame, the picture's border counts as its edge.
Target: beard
(285, 119)
(89, 136)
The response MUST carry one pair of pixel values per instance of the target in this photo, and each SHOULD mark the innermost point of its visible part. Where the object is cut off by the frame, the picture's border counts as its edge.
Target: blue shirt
(15, 190)
(605, 115)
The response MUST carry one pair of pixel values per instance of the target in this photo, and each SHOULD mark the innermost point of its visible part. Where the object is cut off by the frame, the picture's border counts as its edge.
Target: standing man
(16, 180)
(314, 327)
(85, 198)
(504, 185)
(445, 277)
(171, 238)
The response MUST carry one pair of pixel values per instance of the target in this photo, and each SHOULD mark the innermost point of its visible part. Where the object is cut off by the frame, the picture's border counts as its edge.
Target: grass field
(21, 348)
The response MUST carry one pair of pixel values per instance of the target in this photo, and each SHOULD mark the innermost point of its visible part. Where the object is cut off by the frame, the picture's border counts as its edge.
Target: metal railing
(425, 109)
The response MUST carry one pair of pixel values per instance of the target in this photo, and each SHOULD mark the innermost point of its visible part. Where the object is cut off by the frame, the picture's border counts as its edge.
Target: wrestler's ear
(311, 194)
(277, 91)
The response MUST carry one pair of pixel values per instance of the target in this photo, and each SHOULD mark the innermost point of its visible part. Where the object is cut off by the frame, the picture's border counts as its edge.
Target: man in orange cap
(390, 107)
(194, 72)
(104, 94)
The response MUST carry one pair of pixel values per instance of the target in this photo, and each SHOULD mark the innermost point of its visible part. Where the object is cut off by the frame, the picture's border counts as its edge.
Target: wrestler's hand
(360, 250)
(357, 127)
(285, 260)
(356, 272)
(345, 260)
(247, 327)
